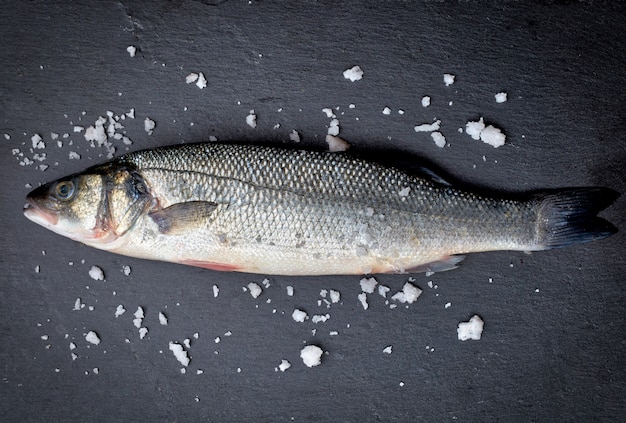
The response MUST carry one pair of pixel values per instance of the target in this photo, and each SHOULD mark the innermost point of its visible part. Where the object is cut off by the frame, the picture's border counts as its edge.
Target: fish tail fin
(569, 216)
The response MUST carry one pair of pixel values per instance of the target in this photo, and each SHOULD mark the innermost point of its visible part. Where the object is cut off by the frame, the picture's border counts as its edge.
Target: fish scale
(260, 209)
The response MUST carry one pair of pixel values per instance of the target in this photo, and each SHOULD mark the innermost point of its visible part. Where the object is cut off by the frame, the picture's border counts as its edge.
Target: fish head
(95, 207)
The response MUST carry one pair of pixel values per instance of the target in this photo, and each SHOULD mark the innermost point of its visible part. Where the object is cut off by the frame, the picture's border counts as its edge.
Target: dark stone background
(556, 354)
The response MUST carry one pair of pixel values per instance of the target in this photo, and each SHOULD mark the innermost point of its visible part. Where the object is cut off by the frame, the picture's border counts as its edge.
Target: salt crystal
(320, 318)
(179, 353)
(428, 127)
(251, 119)
(492, 136)
(336, 144)
(162, 319)
(474, 128)
(37, 141)
(119, 310)
(216, 291)
(192, 77)
(388, 349)
(294, 136)
(363, 299)
(131, 50)
(382, 290)
(255, 289)
(472, 329)
(501, 97)
(149, 125)
(78, 305)
(440, 140)
(299, 315)
(353, 74)
(143, 332)
(425, 101)
(386, 111)
(201, 82)
(92, 338)
(290, 290)
(329, 113)
(368, 285)
(409, 294)
(311, 355)
(96, 273)
(284, 365)
(335, 296)
(448, 79)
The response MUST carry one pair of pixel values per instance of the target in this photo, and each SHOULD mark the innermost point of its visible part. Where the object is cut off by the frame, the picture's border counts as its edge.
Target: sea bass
(259, 209)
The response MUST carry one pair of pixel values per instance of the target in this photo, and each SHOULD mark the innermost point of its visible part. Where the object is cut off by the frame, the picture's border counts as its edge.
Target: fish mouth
(34, 212)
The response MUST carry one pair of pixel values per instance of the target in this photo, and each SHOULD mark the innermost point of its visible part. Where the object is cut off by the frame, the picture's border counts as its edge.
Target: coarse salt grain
(353, 74)
(472, 329)
(311, 355)
(92, 338)
(96, 273)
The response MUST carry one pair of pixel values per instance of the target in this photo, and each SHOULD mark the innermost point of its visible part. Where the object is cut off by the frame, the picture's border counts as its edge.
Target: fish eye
(64, 190)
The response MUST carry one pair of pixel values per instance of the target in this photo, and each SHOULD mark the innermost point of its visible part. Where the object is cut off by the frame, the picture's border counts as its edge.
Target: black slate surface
(553, 347)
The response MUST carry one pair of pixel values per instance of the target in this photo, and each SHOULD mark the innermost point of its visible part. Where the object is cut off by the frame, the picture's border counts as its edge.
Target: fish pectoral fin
(183, 217)
(441, 265)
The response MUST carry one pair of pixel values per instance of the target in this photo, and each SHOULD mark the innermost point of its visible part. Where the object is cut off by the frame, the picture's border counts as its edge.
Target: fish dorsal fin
(183, 217)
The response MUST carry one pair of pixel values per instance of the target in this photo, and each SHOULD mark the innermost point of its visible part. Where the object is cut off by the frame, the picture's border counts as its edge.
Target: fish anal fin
(440, 265)
(222, 267)
(183, 217)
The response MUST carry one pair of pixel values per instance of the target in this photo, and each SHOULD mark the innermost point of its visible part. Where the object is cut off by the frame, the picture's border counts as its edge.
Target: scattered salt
(493, 136)
(78, 128)
(255, 289)
(294, 136)
(192, 77)
(474, 128)
(96, 273)
(320, 318)
(201, 82)
(382, 290)
(251, 119)
(290, 290)
(336, 144)
(148, 125)
(363, 299)
(179, 353)
(428, 127)
(216, 291)
(78, 304)
(333, 128)
(440, 140)
(448, 79)
(335, 296)
(162, 319)
(353, 74)
(368, 285)
(409, 294)
(119, 310)
(425, 101)
(72, 346)
(38, 142)
(472, 329)
(299, 315)
(388, 349)
(501, 97)
(92, 338)
(126, 270)
(131, 50)
(284, 365)
(386, 111)
(311, 355)
(143, 332)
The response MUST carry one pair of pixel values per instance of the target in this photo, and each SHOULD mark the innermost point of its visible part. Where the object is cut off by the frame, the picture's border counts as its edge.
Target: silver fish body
(278, 211)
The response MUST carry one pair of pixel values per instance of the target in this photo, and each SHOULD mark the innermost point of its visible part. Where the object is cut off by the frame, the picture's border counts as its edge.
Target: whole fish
(258, 209)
